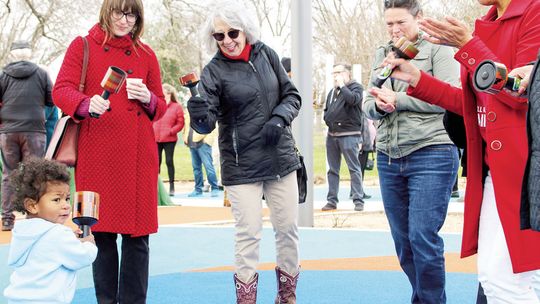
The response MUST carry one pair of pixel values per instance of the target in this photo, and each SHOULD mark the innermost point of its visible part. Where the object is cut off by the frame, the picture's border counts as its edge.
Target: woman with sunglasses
(117, 155)
(246, 90)
(497, 142)
(416, 160)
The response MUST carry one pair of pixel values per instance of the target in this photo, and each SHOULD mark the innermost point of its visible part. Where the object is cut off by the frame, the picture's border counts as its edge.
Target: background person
(343, 116)
(200, 147)
(166, 131)
(247, 91)
(25, 90)
(117, 155)
(496, 142)
(416, 160)
(45, 253)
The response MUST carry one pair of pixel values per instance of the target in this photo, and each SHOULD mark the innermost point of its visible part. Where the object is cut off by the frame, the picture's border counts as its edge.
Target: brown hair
(135, 6)
(411, 5)
(31, 178)
(171, 90)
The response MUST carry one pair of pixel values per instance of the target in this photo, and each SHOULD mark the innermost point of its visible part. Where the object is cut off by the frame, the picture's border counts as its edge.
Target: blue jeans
(203, 156)
(415, 191)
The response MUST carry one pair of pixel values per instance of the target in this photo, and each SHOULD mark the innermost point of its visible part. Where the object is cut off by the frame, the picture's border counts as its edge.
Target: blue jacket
(46, 257)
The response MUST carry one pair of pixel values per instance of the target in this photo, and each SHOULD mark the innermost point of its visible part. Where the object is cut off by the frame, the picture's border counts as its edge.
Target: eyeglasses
(233, 34)
(130, 17)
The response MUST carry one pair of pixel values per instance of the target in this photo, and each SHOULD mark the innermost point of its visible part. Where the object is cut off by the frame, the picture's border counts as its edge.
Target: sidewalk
(373, 204)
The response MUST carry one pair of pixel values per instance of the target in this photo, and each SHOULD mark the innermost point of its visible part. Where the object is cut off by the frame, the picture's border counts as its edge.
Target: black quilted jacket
(243, 96)
(530, 192)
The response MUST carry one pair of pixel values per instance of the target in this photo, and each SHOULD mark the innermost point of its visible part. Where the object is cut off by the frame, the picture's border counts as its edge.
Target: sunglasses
(233, 34)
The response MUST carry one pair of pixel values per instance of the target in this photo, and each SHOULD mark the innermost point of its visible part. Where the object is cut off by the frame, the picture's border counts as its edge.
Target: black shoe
(366, 196)
(455, 194)
(358, 205)
(328, 207)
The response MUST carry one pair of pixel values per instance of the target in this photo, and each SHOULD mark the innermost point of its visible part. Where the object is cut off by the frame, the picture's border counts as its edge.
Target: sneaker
(214, 193)
(7, 225)
(366, 196)
(455, 194)
(195, 193)
(358, 205)
(329, 206)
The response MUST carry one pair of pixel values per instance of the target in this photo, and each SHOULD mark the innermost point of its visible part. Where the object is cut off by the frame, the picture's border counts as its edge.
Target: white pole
(302, 78)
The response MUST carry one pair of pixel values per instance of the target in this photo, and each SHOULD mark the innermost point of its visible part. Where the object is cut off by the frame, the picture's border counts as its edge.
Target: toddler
(45, 253)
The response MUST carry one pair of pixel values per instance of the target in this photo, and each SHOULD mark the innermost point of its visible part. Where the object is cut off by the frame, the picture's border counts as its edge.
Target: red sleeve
(526, 48)
(437, 92)
(65, 92)
(179, 123)
(153, 83)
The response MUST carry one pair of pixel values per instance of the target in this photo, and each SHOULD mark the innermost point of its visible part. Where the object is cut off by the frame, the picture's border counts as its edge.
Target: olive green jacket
(414, 124)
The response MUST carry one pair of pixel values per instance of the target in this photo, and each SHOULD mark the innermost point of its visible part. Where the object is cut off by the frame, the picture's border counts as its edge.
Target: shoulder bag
(65, 138)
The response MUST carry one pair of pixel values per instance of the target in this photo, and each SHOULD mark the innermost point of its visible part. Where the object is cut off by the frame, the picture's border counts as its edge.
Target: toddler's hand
(88, 238)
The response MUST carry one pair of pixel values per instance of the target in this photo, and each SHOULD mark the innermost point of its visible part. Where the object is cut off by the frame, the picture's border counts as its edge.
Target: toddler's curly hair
(31, 178)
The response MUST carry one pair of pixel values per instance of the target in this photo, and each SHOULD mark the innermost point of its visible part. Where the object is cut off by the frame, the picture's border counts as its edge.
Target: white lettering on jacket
(481, 111)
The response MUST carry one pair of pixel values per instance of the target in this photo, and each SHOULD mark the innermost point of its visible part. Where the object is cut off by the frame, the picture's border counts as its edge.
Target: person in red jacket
(166, 131)
(496, 141)
(117, 155)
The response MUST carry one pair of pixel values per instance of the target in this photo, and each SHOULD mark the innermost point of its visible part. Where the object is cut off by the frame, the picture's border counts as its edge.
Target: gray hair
(235, 15)
(20, 55)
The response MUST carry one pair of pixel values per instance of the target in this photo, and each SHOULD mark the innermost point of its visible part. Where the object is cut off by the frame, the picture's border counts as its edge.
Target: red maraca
(111, 83)
(190, 80)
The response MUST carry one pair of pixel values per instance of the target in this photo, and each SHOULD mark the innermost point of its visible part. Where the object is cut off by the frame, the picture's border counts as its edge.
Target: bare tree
(49, 25)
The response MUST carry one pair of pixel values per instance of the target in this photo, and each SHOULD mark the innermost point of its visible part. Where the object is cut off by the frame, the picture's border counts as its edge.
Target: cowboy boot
(286, 287)
(246, 293)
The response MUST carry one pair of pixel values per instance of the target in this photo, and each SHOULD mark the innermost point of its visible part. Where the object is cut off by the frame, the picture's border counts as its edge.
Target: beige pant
(282, 199)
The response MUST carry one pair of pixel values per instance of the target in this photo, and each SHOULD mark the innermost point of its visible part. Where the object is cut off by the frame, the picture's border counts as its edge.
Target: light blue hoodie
(46, 257)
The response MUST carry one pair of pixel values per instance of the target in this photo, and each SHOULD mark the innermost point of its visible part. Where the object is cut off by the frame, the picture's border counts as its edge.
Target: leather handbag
(65, 138)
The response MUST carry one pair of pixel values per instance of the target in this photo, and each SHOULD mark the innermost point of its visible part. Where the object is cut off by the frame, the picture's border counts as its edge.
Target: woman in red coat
(496, 142)
(117, 154)
(166, 130)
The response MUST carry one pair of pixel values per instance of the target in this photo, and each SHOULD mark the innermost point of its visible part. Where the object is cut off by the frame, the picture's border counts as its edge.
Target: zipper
(261, 83)
(268, 113)
(235, 144)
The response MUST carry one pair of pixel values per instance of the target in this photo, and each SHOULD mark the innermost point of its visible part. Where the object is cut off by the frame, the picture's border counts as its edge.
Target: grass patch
(184, 172)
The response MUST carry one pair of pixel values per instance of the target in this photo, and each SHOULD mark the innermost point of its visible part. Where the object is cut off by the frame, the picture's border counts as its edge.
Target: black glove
(198, 108)
(272, 130)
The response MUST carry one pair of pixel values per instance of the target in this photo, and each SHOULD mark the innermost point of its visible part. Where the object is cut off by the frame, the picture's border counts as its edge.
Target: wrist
(415, 78)
(464, 41)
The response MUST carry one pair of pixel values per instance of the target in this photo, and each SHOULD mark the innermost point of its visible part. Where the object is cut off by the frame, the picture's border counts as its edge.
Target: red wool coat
(514, 40)
(166, 129)
(117, 154)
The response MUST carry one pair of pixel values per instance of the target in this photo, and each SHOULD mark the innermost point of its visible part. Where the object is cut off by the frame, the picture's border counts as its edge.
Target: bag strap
(86, 52)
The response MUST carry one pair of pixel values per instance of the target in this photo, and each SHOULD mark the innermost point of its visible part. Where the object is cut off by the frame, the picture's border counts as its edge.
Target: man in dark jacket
(343, 115)
(25, 90)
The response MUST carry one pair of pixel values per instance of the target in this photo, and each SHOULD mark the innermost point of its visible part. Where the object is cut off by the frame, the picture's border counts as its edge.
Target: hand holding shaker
(190, 81)
(111, 83)
(491, 77)
(403, 48)
(85, 212)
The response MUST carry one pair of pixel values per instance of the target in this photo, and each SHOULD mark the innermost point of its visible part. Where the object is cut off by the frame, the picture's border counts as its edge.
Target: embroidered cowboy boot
(286, 287)
(246, 293)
